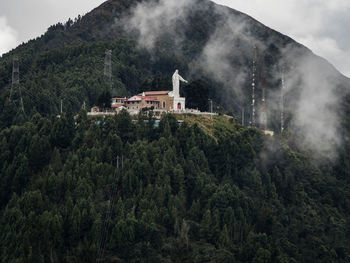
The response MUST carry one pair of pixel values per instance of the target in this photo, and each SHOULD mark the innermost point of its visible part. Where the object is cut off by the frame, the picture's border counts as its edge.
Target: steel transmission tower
(15, 86)
(108, 67)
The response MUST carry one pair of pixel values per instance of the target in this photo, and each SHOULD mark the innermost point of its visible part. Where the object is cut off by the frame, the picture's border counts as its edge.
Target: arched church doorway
(179, 106)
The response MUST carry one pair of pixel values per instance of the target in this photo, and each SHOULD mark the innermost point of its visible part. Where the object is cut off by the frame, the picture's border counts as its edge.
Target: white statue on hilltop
(176, 83)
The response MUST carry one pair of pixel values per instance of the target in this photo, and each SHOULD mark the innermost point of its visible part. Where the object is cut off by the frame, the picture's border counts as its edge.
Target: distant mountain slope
(150, 39)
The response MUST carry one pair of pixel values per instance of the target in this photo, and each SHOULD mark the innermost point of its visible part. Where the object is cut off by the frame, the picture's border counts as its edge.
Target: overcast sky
(321, 25)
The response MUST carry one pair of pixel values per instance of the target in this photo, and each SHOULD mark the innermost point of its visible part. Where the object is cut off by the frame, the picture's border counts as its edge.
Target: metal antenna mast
(282, 100)
(108, 67)
(252, 122)
(15, 81)
(243, 122)
(263, 115)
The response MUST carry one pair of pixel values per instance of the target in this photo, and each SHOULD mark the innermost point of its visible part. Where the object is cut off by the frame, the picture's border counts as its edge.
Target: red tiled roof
(138, 98)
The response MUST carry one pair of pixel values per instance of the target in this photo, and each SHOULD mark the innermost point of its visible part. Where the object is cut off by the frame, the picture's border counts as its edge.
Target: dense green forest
(116, 190)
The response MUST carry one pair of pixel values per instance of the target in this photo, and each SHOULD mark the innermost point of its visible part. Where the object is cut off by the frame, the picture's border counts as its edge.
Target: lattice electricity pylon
(15, 86)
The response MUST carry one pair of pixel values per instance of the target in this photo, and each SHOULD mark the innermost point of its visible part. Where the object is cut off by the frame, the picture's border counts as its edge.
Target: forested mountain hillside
(114, 191)
(117, 189)
(206, 42)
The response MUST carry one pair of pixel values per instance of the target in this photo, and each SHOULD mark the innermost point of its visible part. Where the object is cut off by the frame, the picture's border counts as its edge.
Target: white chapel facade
(158, 100)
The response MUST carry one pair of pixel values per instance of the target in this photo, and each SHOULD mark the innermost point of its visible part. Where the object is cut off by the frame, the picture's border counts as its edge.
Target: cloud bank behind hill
(320, 25)
(8, 36)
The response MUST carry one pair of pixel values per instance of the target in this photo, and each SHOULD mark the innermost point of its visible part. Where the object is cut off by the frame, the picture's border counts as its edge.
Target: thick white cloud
(320, 25)
(31, 18)
(8, 36)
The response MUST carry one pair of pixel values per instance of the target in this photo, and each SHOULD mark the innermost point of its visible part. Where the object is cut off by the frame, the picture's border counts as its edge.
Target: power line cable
(108, 218)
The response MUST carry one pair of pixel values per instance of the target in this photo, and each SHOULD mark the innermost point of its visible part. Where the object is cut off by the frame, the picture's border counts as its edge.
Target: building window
(179, 106)
(163, 104)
